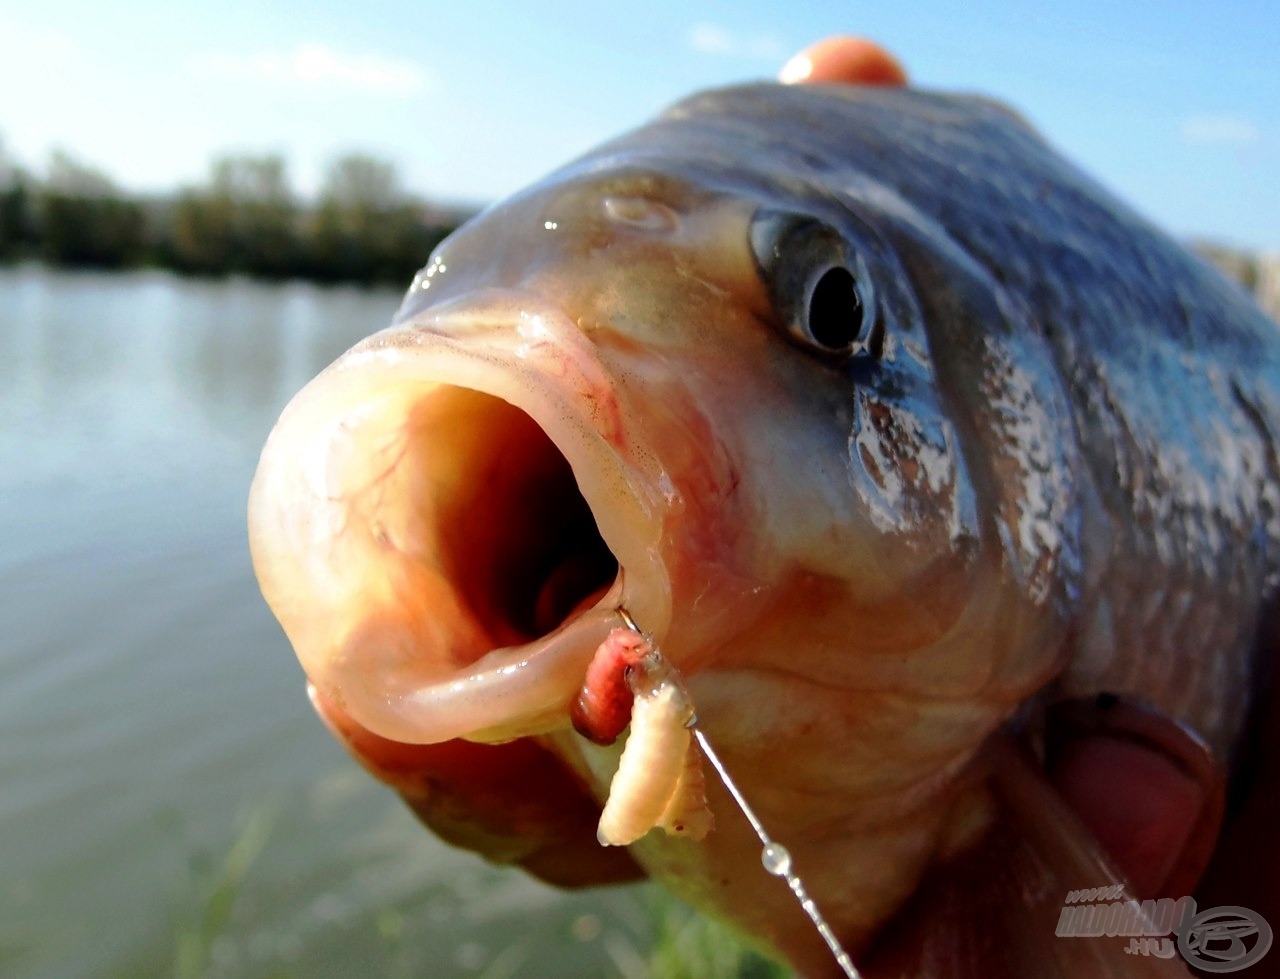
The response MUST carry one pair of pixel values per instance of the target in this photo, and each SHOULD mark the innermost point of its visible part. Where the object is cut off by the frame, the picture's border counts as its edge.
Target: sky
(1175, 105)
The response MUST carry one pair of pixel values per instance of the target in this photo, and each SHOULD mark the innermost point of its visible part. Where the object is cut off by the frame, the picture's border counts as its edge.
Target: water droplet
(776, 859)
(586, 927)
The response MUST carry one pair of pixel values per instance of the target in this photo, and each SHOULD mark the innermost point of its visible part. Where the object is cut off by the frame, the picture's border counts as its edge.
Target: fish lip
(530, 354)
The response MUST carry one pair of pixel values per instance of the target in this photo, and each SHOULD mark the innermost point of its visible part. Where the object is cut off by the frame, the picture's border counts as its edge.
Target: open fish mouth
(446, 520)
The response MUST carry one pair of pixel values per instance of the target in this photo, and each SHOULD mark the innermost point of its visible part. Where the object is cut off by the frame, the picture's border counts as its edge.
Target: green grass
(688, 945)
(217, 885)
(666, 939)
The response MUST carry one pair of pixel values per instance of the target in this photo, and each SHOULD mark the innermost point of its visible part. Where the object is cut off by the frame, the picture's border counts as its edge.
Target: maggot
(659, 781)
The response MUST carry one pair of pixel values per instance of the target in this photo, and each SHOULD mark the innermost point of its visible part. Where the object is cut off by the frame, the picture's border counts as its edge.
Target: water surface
(168, 804)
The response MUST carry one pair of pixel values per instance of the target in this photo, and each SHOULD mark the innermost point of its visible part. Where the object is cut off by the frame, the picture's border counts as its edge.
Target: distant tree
(359, 182)
(18, 234)
(201, 234)
(68, 176)
(1232, 262)
(83, 219)
(17, 217)
(365, 227)
(264, 213)
(246, 220)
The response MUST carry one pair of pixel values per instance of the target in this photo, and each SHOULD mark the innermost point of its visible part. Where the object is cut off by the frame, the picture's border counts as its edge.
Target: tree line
(246, 219)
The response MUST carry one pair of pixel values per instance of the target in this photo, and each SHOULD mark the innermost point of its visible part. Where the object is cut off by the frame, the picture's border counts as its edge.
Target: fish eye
(819, 286)
(835, 312)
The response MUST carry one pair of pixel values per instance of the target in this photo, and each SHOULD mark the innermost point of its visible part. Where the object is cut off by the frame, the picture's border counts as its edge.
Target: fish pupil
(835, 310)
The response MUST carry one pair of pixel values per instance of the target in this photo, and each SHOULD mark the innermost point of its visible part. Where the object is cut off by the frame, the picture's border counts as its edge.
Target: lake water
(168, 803)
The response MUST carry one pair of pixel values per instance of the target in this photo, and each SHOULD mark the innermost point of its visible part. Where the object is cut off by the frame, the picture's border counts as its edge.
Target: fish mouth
(446, 521)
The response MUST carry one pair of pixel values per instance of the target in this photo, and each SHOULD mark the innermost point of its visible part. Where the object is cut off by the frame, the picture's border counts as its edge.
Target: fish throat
(502, 516)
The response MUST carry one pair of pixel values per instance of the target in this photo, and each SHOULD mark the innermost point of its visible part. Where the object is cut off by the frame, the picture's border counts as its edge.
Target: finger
(851, 60)
(1148, 789)
(988, 911)
(1246, 864)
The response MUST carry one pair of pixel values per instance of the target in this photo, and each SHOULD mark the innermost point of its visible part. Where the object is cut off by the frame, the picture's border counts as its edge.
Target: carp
(891, 427)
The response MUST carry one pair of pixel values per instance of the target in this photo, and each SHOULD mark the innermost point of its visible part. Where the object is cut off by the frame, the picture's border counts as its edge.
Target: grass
(668, 939)
(217, 887)
(688, 945)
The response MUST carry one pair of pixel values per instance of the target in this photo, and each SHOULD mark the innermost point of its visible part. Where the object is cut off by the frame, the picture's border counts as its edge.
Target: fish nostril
(641, 213)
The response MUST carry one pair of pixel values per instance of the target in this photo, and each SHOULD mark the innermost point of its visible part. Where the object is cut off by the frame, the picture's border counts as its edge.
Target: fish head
(712, 408)
(775, 419)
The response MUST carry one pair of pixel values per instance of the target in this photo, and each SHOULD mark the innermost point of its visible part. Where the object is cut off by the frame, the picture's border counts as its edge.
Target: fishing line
(775, 857)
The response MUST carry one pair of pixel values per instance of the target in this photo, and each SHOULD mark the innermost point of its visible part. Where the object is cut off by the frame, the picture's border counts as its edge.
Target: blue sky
(1176, 105)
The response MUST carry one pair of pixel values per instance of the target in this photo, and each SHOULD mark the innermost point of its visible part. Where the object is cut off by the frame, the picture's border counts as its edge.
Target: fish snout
(442, 520)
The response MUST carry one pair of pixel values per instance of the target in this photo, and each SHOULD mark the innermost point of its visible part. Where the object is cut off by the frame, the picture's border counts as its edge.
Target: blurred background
(200, 207)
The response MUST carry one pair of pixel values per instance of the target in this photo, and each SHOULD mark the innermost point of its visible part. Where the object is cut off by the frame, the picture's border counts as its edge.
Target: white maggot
(659, 780)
